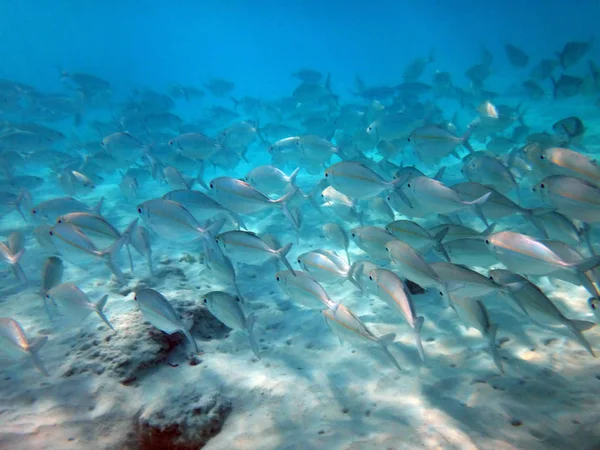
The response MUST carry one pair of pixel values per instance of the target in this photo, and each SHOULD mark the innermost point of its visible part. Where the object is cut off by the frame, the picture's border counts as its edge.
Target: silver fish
(73, 302)
(16, 345)
(157, 310)
(227, 309)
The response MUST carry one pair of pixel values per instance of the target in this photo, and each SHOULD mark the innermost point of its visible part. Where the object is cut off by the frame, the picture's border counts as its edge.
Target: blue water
(269, 363)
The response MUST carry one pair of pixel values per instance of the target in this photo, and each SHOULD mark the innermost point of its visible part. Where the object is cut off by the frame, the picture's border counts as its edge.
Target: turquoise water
(164, 166)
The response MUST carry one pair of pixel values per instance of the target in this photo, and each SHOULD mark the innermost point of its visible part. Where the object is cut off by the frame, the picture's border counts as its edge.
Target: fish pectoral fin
(387, 339)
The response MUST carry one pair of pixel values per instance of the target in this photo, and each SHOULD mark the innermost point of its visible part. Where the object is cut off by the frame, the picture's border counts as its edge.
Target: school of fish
(468, 204)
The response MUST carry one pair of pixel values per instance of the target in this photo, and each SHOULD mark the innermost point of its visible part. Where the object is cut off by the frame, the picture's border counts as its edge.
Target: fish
(226, 308)
(574, 197)
(432, 142)
(418, 237)
(203, 207)
(357, 180)
(270, 180)
(476, 315)
(414, 69)
(13, 259)
(572, 52)
(16, 345)
(526, 255)
(221, 267)
(325, 267)
(305, 290)
(72, 302)
(50, 210)
(534, 301)
(238, 196)
(338, 236)
(566, 86)
(564, 161)
(196, 146)
(172, 221)
(76, 247)
(141, 242)
(123, 146)
(344, 323)
(517, 57)
(249, 248)
(433, 196)
(157, 310)
(372, 241)
(393, 291)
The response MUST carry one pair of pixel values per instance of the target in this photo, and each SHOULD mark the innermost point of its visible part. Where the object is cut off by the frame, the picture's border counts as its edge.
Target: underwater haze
(299, 225)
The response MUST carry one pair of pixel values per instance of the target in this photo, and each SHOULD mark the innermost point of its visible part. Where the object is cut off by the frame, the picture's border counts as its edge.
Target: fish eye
(326, 174)
(211, 185)
(34, 211)
(205, 301)
(542, 186)
(371, 277)
(139, 210)
(593, 304)
(51, 233)
(387, 249)
(135, 297)
(353, 234)
(533, 189)
(541, 156)
(48, 296)
(102, 144)
(487, 241)
(277, 278)
(59, 221)
(408, 139)
(408, 185)
(237, 299)
(171, 142)
(441, 294)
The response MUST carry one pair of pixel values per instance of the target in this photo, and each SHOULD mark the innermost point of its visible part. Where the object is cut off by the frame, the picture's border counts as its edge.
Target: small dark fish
(308, 75)
(572, 52)
(516, 56)
(571, 127)
(478, 73)
(567, 86)
(533, 90)
(543, 69)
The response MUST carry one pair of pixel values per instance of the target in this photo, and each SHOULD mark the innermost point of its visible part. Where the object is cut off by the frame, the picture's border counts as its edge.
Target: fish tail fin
(98, 207)
(34, 348)
(190, 338)
(98, 307)
(479, 201)
(237, 219)
(283, 202)
(281, 256)
(200, 176)
(439, 246)
(384, 342)
(19, 202)
(293, 176)
(250, 321)
(464, 140)
(440, 174)
(491, 335)
(586, 264)
(418, 326)
(576, 327)
(532, 216)
(111, 252)
(311, 199)
(214, 228)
